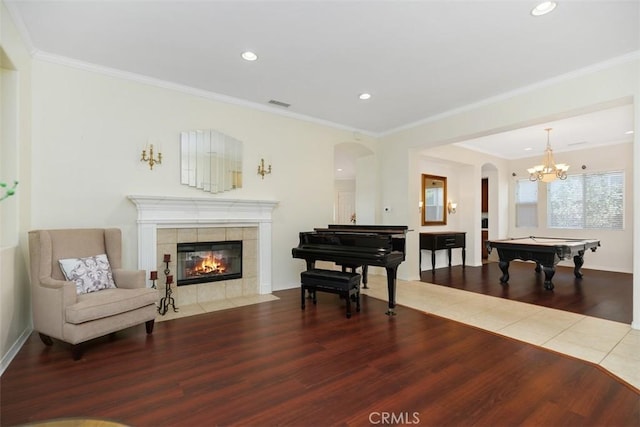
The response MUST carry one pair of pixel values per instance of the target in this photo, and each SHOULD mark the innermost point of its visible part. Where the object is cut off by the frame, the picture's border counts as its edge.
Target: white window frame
(526, 212)
(583, 204)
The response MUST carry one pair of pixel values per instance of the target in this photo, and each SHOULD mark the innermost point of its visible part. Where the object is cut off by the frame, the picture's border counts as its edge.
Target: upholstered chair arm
(50, 282)
(50, 298)
(129, 279)
(66, 288)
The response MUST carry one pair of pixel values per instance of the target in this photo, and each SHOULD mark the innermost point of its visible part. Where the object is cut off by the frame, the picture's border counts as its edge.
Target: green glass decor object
(9, 191)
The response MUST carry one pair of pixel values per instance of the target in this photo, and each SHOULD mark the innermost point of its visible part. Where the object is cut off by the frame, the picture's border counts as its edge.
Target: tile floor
(612, 345)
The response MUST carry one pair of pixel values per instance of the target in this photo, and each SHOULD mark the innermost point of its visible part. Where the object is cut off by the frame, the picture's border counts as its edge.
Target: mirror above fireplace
(210, 161)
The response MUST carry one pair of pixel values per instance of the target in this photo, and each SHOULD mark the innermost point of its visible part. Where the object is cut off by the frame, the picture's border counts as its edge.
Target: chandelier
(548, 171)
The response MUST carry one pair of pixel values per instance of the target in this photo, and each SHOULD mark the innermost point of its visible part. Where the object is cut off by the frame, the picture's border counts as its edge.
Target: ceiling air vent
(279, 103)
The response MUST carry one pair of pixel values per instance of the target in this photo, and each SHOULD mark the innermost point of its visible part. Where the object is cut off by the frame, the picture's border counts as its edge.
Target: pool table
(545, 251)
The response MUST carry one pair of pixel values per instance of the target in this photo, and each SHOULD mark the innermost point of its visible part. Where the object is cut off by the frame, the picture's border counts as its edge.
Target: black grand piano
(353, 246)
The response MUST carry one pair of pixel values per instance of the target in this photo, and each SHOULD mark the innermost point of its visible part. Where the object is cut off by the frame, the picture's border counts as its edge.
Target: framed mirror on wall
(433, 200)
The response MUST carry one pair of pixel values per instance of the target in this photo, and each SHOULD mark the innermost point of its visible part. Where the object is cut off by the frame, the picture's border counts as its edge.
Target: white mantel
(194, 212)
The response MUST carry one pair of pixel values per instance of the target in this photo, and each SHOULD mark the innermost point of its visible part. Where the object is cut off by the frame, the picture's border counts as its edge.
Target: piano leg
(364, 276)
(391, 289)
(310, 266)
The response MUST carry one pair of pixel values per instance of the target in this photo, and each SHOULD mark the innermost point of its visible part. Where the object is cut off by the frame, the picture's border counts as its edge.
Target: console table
(442, 240)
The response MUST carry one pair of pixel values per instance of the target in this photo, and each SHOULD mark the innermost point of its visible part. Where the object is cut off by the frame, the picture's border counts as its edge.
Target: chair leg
(149, 325)
(76, 351)
(46, 339)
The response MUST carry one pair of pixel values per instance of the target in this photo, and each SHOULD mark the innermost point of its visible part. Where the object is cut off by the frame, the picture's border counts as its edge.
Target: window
(587, 201)
(526, 203)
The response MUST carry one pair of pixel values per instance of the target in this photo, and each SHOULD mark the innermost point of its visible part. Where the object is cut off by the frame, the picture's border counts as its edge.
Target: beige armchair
(60, 312)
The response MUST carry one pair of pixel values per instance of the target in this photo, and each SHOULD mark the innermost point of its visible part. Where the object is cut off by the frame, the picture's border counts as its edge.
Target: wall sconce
(420, 204)
(262, 171)
(451, 207)
(151, 160)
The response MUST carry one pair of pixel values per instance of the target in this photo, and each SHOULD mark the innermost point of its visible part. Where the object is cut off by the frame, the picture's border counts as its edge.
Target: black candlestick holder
(167, 301)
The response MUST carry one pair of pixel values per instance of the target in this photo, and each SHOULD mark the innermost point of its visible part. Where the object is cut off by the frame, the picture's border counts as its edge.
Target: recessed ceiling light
(543, 8)
(249, 56)
(339, 169)
(364, 96)
(629, 132)
(528, 149)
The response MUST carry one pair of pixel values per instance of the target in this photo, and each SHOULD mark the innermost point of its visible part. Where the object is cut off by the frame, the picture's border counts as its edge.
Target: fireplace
(162, 218)
(202, 262)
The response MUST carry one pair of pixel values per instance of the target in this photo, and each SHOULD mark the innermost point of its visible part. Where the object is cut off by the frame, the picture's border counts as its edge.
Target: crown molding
(16, 17)
(632, 56)
(164, 84)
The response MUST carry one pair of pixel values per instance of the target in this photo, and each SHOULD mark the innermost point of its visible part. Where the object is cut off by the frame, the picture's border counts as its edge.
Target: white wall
(366, 190)
(9, 151)
(344, 201)
(90, 128)
(15, 312)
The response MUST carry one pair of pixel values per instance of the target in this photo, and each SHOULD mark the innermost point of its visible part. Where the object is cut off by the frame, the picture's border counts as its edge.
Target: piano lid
(368, 229)
(348, 248)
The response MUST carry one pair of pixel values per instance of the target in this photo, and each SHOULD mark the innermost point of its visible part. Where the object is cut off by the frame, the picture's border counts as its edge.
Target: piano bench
(345, 284)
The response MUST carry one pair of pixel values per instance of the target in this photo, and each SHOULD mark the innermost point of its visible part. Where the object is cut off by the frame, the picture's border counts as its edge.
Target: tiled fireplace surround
(167, 240)
(164, 221)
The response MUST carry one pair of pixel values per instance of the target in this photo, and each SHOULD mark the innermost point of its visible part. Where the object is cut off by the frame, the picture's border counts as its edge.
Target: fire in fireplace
(202, 262)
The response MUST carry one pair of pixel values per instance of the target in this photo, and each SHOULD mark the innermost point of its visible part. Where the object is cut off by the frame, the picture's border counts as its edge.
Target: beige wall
(89, 129)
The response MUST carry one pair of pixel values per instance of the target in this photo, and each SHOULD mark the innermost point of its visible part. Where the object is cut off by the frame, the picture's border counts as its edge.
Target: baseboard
(13, 351)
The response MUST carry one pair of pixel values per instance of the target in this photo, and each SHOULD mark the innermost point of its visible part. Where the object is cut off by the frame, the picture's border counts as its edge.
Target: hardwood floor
(272, 364)
(602, 294)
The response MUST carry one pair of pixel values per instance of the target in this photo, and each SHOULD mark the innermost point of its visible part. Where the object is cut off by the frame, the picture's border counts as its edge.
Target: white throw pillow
(91, 274)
